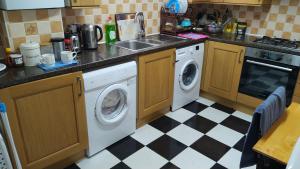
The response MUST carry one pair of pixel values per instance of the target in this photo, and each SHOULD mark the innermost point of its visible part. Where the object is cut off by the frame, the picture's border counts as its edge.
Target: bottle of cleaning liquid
(110, 31)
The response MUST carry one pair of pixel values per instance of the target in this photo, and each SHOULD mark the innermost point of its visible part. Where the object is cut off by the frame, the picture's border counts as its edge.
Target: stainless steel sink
(134, 45)
(150, 41)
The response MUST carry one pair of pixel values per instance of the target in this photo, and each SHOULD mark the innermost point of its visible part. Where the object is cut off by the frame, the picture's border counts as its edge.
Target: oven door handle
(269, 65)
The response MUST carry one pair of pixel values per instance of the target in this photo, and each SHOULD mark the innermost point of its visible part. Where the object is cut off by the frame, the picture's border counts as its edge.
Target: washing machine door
(112, 104)
(189, 75)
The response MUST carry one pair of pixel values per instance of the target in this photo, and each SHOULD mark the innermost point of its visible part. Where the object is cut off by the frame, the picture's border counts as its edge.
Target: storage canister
(31, 53)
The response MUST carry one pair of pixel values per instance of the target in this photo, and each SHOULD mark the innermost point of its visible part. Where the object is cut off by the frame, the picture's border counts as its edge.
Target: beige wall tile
(16, 30)
(42, 15)
(29, 15)
(56, 26)
(31, 28)
(43, 27)
(14, 16)
(18, 41)
(45, 39)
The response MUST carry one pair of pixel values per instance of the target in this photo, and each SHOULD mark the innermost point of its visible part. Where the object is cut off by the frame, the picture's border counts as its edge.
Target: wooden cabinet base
(68, 161)
(248, 100)
(153, 116)
(237, 106)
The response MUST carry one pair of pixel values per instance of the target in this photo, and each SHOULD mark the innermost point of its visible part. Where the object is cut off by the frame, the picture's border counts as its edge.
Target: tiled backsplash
(33, 25)
(150, 8)
(281, 19)
(41, 25)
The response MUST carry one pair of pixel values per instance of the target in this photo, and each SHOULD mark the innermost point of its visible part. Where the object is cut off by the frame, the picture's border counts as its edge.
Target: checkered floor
(201, 135)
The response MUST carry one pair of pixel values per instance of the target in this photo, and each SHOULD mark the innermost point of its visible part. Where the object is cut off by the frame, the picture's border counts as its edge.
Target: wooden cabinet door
(156, 79)
(248, 2)
(85, 3)
(47, 119)
(223, 69)
(205, 1)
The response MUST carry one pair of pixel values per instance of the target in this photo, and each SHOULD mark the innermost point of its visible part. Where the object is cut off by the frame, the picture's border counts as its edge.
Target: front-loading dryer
(188, 69)
(110, 96)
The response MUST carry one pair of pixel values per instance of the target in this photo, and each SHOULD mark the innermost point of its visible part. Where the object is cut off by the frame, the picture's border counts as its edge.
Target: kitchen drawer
(296, 99)
(297, 90)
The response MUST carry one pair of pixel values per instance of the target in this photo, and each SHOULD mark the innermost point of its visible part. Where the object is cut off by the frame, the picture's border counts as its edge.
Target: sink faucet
(139, 18)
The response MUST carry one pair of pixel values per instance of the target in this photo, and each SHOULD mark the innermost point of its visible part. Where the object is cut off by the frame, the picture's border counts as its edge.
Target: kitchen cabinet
(30, 4)
(248, 2)
(296, 97)
(233, 2)
(223, 66)
(47, 119)
(156, 79)
(82, 3)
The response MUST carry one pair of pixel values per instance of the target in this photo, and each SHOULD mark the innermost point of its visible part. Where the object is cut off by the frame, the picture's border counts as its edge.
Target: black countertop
(104, 56)
(248, 42)
(107, 55)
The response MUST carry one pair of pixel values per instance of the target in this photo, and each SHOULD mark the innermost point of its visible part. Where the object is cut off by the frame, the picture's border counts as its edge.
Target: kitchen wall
(32, 25)
(41, 25)
(150, 8)
(281, 19)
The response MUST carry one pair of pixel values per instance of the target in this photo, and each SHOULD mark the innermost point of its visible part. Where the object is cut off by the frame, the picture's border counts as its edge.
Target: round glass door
(189, 75)
(112, 104)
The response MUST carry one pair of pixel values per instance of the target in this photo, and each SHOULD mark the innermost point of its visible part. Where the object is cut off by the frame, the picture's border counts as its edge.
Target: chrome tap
(139, 18)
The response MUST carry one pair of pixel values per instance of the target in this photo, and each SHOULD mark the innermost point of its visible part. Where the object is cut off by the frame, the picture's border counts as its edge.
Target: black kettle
(90, 37)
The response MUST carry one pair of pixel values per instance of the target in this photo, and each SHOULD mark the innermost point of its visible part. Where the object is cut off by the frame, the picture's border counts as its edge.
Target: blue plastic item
(186, 23)
(2, 107)
(173, 6)
(57, 65)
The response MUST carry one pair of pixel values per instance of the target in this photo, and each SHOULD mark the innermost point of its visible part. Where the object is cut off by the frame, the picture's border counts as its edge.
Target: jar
(58, 46)
(16, 60)
(31, 53)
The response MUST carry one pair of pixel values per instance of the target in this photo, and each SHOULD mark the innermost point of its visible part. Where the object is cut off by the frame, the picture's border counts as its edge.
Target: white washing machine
(110, 97)
(188, 71)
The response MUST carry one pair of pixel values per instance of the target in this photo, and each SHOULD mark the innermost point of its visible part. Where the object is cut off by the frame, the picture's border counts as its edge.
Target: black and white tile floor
(201, 135)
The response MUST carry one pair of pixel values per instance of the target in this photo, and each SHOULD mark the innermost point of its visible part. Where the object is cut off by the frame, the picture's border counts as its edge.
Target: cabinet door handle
(80, 85)
(241, 56)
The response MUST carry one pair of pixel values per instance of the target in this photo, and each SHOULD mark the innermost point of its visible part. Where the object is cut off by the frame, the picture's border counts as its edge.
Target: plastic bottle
(110, 31)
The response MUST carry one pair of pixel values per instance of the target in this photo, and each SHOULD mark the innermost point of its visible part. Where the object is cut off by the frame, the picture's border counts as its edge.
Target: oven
(263, 71)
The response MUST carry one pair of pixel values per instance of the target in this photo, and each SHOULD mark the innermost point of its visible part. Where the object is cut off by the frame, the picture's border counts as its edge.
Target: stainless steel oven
(263, 71)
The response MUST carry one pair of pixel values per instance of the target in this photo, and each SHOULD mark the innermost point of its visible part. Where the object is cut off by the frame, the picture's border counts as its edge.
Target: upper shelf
(233, 2)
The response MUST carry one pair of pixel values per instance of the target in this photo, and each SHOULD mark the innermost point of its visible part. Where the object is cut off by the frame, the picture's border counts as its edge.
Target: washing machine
(110, 97)
(188, 69)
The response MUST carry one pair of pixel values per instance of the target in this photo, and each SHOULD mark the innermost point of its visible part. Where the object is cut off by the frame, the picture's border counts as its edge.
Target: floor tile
(231, 159)
(125, 147)
(236, 124)
(164, 124)
(195, 107)
(169, 166)
(146, 134)
(73, 166)
(104, 159)
(225, 135)
(210, 147)
(185, 134)
(167, 147)
(218, 166)
(214, 114)
(201, 124)
(181, 115)
(240, 144)
(251, 167)
(243, 116)
(205, 101)
(121, 165)
(223, 108)
(145, 159)
(191, 159)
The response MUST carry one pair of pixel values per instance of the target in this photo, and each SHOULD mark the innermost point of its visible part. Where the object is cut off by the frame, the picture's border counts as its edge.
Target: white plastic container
(31, 53)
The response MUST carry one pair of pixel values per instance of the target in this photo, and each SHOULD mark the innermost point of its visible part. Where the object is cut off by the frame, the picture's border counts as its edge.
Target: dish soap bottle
(110, 31)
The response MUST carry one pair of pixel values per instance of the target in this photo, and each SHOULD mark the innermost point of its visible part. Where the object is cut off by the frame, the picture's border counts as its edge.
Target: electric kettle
(90, 36)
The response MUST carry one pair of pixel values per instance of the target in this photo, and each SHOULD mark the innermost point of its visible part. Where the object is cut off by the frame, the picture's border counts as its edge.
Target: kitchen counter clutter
(104, 56)
(107, 55)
